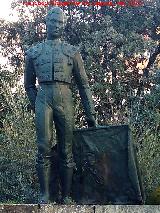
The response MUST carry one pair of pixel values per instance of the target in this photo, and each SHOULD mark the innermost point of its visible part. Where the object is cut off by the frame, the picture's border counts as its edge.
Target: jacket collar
(54, 42)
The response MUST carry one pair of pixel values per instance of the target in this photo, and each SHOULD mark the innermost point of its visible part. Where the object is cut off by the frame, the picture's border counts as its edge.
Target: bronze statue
(53, 62)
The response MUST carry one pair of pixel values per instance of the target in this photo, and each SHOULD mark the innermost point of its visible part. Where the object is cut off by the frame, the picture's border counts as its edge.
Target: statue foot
(43, 200)
(67, 201)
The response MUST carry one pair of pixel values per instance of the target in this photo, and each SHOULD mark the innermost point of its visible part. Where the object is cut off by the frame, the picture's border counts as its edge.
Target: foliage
(113, 42)
(18, 154)
(146, 130)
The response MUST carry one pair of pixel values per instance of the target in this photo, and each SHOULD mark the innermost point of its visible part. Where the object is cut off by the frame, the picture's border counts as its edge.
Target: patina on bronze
(53, 62)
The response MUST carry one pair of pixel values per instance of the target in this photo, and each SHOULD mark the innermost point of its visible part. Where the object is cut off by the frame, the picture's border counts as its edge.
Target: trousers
(54, 105)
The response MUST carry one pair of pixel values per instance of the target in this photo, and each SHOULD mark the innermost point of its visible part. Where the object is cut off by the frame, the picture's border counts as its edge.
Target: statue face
(55, 25)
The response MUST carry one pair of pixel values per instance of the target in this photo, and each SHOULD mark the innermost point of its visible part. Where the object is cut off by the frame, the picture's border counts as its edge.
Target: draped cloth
(106, 167)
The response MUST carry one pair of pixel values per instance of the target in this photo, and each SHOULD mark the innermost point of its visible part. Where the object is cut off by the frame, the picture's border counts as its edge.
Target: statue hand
(91, 121)
(30, 108)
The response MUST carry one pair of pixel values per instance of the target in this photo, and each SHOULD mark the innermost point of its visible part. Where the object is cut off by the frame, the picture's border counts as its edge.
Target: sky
(5, 10)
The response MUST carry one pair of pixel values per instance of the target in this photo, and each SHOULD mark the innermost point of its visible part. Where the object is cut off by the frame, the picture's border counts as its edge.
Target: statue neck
(54, 41)
(53, 38)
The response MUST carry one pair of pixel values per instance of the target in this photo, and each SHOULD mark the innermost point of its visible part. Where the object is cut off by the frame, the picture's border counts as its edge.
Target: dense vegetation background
(116, 44)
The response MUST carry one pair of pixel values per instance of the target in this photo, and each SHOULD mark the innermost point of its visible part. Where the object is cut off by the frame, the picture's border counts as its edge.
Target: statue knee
(67, 161)
(43, 156)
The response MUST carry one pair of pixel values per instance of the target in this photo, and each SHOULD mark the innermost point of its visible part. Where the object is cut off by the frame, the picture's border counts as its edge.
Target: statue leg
(44, 131)
(64, 121)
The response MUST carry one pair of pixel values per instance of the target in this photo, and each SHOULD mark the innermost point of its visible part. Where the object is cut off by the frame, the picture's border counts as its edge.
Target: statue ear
(45, 21)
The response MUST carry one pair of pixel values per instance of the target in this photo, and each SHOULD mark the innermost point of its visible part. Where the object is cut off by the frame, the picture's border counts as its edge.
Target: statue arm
(30, 81)
(84, 89)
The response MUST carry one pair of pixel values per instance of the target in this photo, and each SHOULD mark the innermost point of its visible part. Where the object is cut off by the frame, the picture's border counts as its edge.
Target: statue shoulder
(69, 49)
(35, 51)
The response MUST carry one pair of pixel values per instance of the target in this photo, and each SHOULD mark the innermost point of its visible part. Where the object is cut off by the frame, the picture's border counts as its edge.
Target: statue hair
(56, 10)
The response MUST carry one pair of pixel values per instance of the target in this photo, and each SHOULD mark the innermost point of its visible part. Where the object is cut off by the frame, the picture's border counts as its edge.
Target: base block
(30, 208)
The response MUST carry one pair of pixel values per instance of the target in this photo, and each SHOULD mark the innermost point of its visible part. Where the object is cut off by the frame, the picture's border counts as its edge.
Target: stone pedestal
(30, 208)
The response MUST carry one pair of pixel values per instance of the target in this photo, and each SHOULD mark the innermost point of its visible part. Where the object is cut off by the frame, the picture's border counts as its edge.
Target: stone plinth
(33, 208)
(128, 209)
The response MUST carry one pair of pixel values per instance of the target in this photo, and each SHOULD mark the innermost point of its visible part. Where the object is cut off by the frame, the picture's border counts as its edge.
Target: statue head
(55, 21)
